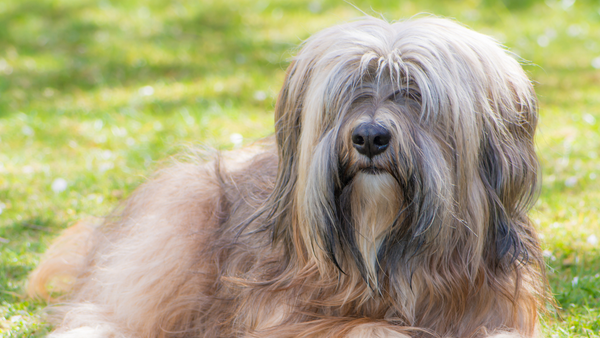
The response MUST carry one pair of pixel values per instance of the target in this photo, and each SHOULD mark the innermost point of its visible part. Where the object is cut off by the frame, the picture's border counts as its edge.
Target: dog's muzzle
(370, 139)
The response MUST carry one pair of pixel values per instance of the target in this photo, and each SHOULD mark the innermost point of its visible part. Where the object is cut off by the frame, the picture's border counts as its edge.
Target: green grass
(96, 92)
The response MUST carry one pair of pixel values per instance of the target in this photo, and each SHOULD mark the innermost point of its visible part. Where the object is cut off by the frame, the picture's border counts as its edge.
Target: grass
(94, 93)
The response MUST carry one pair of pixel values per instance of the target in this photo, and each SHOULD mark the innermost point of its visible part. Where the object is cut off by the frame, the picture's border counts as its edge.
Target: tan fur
(62, 262)
(302, 236)
(375, 202)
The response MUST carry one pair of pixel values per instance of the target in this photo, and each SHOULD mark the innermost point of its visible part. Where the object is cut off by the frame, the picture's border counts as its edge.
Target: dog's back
(151, 266)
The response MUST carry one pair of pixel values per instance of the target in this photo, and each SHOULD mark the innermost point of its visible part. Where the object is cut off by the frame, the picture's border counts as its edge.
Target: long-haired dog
(393, 203)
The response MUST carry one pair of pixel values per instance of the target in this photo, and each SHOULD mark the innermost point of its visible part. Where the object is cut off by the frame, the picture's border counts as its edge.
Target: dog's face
(404, 140)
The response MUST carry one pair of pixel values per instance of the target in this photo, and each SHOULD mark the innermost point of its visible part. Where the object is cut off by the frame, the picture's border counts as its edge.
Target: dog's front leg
(334, 328)
(90, 321)
(375, 330)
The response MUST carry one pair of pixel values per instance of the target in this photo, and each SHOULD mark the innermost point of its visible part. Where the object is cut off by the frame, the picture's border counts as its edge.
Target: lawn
(93, 94)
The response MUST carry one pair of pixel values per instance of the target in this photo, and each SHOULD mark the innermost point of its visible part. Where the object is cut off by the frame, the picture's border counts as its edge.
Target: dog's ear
(287, 133)
(509, 170)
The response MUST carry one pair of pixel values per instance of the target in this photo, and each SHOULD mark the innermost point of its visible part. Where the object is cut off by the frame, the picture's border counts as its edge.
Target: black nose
(370, 139)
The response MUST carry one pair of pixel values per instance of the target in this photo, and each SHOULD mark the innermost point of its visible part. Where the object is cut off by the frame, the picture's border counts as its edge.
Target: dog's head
(404, 140)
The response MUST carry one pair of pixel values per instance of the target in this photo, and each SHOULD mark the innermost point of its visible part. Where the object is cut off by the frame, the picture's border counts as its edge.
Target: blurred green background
(94, 93)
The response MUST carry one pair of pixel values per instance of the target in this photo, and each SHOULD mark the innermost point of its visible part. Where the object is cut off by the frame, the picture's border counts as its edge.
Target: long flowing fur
(309, 238)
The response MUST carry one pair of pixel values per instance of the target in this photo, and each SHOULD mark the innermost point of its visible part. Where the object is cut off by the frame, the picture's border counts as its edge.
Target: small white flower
(48, 92)
(550, 33)
(103, 167)
(5, 67)
(106, 154)
(592, 240)
(236, 139)
(574, 30)
(119, 132)
(596, 62)
(27, 131)
(259, 95)
(218, 87)
(575, 281)
(146, 91)
(566, 4)
(98, 124)
(571, 181)
(548, 254)
(314, 6)
(59, 185)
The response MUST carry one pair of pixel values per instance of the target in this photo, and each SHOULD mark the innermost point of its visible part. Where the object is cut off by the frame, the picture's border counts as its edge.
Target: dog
(392, 201)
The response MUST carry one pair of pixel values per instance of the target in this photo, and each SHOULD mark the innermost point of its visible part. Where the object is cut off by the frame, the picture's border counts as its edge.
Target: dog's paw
(375, 330)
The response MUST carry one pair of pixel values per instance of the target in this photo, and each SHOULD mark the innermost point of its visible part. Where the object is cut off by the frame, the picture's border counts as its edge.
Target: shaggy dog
(392, 203)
